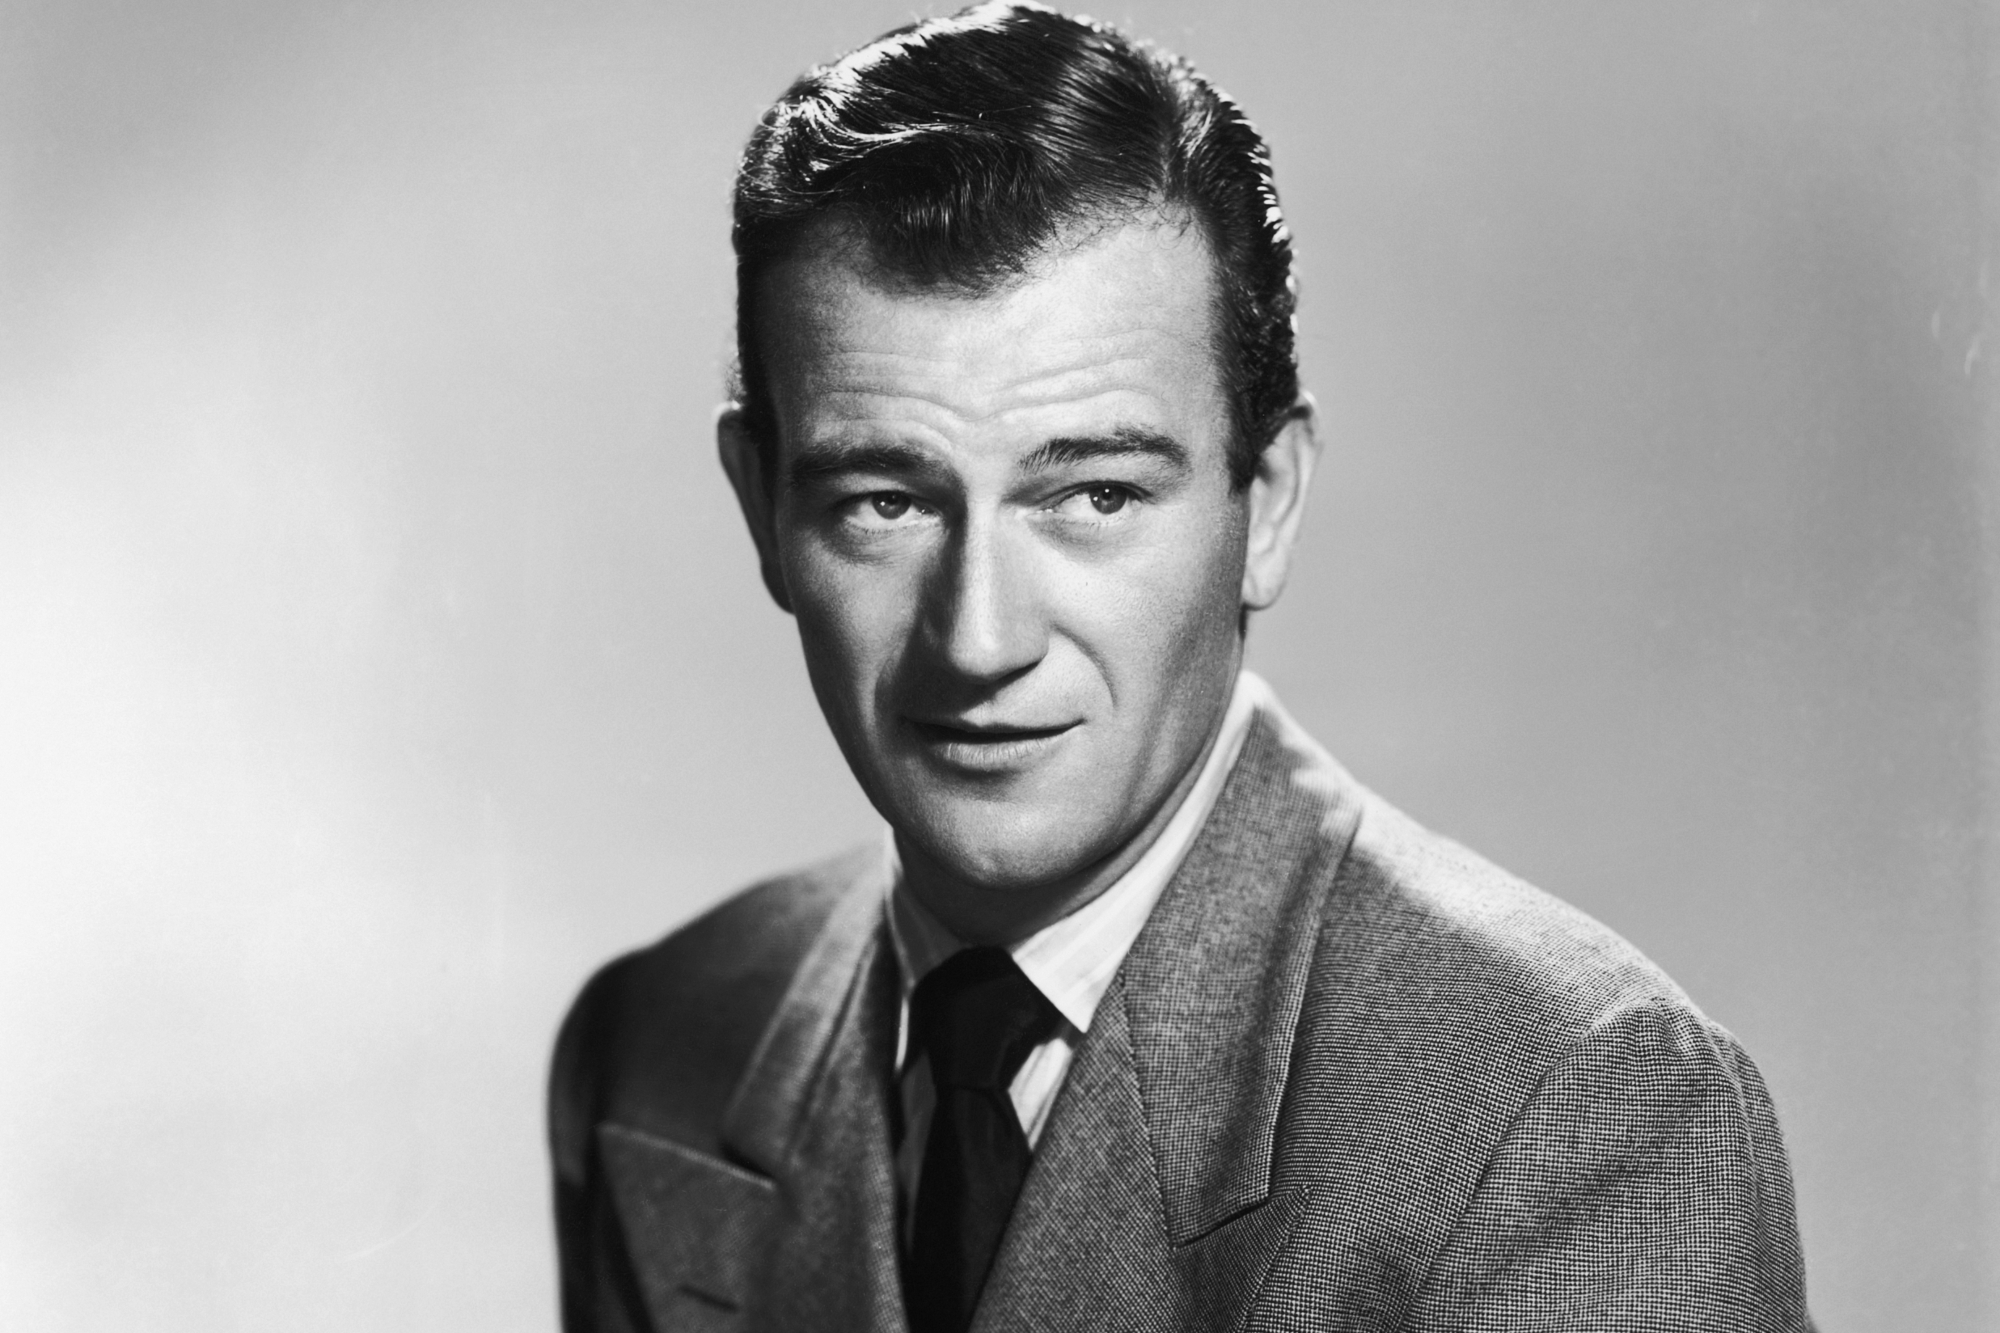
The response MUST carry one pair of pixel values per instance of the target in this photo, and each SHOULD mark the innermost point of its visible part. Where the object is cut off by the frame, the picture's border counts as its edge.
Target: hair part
(961, 151)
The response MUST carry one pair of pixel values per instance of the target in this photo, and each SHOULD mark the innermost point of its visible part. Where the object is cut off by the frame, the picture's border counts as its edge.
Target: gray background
(379, 649)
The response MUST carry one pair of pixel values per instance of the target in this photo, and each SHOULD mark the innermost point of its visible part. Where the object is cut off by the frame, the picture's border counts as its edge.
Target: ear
(743, 460)
(1278, 502)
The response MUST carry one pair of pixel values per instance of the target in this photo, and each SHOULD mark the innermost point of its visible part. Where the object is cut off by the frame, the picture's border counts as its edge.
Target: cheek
(1174, 609)
(851, 622)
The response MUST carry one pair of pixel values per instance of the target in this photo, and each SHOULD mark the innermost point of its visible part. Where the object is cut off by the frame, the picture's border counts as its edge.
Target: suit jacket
(1349, 1077)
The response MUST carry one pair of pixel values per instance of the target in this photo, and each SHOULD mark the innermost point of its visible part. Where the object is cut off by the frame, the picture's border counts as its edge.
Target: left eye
(1108, 499)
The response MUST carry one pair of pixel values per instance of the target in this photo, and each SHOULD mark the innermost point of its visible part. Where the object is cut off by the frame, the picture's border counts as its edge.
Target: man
(1149, 1017)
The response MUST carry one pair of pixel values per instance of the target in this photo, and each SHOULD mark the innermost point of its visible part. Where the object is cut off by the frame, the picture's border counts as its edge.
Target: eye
(1108, 499)
(883, 511)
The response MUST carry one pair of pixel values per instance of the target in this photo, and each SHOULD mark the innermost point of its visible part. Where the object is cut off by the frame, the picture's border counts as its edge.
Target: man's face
(1006, 528)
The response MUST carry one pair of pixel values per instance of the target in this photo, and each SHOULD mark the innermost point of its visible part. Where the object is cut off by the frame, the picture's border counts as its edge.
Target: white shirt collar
(1072, 960)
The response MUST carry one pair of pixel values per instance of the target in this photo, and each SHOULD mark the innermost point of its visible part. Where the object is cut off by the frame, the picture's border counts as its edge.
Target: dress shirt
(1071, 961)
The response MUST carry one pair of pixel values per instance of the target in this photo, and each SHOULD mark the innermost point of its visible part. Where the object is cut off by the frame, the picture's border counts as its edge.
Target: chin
(1007, 851)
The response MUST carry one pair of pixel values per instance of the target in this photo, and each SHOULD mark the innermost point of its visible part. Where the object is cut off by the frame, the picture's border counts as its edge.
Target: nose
(984, 614)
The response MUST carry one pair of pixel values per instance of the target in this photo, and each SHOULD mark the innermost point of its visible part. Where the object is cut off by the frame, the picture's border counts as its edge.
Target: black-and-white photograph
(1194, 666)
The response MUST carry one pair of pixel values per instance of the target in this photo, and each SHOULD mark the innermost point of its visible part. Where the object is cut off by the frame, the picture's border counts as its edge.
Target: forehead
(1114, 331)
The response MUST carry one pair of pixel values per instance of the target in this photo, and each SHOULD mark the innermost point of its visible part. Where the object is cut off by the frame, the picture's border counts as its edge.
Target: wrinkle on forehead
(970, 391)
(1131, 311)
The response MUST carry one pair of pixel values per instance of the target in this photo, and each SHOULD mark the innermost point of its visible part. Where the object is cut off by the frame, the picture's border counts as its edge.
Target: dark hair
(960, 149)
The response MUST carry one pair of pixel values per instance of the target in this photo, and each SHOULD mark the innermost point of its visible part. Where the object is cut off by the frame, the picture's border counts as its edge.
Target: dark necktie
(977, 1017)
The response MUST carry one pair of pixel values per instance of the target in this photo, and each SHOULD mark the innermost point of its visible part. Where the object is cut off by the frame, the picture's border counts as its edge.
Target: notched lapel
(1088, 1247)
(696, 1226)
(812, 1112)
(1085, 1248)
(768, 1111)
(802, 1236)
(1215, 983)
(833, 1265)
(1221, 1272)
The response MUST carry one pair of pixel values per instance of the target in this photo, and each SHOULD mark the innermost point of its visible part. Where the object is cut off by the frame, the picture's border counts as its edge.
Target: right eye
(885, 511)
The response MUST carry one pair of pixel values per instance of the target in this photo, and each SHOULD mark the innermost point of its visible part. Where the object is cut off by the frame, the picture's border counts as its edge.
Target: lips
(987, 747)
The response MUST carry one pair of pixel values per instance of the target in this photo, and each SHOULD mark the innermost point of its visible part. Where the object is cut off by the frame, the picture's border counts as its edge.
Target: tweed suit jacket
(1349, 1077)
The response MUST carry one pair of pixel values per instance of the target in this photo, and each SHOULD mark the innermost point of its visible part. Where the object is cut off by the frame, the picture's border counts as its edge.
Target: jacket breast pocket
(695, 1227)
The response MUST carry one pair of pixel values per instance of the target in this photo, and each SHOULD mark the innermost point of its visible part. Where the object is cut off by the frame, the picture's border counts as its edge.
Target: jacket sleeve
(1643, 1186)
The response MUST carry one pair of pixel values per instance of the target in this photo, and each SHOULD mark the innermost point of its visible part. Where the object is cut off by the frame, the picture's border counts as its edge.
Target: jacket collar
(1215, 983)
(779, 1088)
(813, 1112)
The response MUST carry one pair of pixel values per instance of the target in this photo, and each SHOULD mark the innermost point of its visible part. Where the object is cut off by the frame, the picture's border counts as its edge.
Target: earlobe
(744, 460)
(1277, 504)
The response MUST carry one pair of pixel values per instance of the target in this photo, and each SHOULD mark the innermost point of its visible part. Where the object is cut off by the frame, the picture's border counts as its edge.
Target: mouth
(987, 747)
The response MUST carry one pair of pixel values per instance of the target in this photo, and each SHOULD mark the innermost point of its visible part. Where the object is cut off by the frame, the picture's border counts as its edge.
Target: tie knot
(977, 1016)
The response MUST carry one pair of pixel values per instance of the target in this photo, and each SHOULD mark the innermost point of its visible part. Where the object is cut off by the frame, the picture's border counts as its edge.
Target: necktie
(976, 1016)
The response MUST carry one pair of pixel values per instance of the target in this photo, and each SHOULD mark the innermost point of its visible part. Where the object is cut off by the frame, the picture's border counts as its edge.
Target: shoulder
(658, 1037)
(1433, 966)
(1408, 915)
(1497, 1097)
(1438, 912)
(1470, 996)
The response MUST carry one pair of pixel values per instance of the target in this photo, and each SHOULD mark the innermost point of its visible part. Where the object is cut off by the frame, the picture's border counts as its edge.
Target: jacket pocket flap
(694, 1225)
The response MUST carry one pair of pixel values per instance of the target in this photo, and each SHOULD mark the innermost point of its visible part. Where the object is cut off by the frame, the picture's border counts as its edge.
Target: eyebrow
(823, 462)
(1125, 442)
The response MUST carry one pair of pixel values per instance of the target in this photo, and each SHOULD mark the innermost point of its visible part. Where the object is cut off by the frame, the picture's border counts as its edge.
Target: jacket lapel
(796, 1230)
(1150, 1201)
(689, 1274)
(812, 1111)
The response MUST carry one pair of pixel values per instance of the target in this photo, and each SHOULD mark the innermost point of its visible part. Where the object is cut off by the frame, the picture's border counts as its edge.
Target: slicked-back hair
(961, 150)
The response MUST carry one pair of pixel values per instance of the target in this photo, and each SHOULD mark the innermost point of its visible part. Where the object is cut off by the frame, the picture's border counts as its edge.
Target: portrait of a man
(773, 667)
(1148, 1015)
